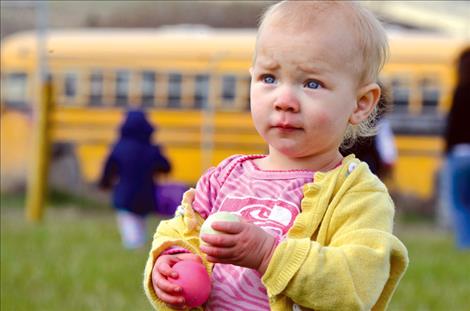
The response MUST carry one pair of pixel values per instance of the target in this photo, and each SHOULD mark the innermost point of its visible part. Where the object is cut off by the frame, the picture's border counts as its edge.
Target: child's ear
(367, 98)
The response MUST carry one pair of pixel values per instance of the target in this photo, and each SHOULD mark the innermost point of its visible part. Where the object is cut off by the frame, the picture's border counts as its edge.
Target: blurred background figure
(378, 151)
(458, 153)
(130, 170)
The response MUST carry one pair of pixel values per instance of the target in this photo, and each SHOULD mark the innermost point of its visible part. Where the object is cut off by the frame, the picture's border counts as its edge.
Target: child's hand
(168, 292)
(242, 244)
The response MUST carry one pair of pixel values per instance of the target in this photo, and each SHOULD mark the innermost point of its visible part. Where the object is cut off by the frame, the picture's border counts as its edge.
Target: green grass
(73, 260)
(438, 277)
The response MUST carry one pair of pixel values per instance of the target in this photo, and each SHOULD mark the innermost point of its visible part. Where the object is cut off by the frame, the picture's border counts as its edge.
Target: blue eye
(268, 79)
(312, 84)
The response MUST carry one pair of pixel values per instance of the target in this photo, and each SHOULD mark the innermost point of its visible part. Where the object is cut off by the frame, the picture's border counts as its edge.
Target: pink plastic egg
(195, 281)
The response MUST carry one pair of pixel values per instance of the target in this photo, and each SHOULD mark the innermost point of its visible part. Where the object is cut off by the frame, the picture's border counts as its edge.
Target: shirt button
(351, 167)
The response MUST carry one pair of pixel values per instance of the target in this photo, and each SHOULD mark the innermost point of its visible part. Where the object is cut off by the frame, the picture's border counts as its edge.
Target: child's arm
(109, 174)
(180, 231)
(357, 266)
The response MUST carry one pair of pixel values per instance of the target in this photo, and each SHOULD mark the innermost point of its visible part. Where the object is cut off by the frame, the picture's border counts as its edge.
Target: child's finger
(165, 270)
(231, 227)
(218, 252)
(220, 240)
(176, 302)
(220, 260)
(169, 287)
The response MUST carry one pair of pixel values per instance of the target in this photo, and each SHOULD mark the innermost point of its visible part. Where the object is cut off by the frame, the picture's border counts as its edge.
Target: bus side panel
(419, 160)
(15, 149)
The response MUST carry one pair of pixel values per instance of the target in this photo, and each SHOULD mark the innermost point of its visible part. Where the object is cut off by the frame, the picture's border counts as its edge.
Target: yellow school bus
(194, 84)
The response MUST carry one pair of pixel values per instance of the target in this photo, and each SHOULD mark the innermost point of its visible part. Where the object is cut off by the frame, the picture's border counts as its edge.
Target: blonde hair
(369, 33)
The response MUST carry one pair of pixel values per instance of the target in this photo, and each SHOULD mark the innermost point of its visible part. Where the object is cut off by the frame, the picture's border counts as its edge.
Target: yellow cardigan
(340, 253)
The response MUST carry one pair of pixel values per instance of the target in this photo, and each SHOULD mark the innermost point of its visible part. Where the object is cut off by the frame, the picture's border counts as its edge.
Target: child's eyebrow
(269, 64)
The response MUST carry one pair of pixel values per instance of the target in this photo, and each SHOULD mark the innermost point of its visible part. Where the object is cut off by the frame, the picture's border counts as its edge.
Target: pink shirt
(269, 199)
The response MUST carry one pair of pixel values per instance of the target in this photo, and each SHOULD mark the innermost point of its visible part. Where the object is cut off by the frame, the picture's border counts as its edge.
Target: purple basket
(169, 197)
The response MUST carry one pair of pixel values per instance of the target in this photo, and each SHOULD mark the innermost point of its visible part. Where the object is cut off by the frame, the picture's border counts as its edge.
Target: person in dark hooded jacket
(130, 170)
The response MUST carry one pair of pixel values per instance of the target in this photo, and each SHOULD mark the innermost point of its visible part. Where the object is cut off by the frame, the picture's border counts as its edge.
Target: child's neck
(317, 163)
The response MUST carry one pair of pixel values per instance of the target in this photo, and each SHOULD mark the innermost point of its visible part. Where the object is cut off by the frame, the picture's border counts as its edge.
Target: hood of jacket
(136, 126)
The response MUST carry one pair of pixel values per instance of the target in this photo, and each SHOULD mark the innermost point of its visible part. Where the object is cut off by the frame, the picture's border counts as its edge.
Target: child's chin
(291, 151)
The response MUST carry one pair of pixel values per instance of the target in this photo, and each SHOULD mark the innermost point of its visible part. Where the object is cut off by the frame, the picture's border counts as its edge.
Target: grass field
(73, 261)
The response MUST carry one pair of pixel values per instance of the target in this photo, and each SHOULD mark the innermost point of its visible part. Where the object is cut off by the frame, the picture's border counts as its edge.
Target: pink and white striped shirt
(269, 199)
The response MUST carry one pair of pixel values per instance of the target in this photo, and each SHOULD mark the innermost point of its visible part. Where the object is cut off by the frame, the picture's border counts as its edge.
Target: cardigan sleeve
(357, 268)
(180, 231)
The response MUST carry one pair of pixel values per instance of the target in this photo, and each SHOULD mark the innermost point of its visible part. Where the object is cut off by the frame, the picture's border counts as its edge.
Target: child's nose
(287, 100)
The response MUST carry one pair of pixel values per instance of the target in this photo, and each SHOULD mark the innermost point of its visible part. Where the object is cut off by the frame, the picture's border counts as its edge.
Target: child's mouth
(286, 127)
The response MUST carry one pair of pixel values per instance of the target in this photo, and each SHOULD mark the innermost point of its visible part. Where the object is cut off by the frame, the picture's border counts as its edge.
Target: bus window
(243, 93)
(148, 88)
(14, 89)
(201, 91)
(400, 95)
(430, 95)
(174, 90)
(122, 87)
(96, 88)
(228, 89)
(70, 85)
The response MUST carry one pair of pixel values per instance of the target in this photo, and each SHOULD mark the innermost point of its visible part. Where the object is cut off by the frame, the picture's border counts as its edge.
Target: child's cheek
(329, 124)
(324, 119)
